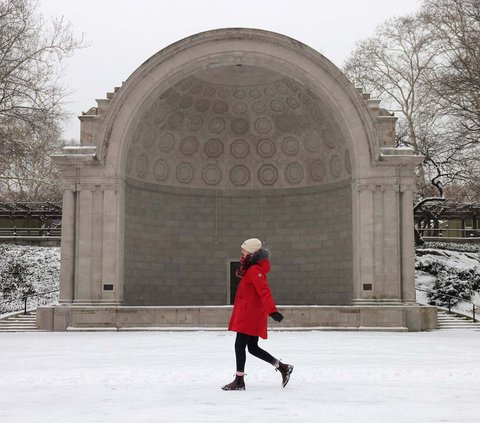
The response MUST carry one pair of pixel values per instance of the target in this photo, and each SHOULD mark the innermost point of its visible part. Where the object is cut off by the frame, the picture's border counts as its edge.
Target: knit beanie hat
(252, 245)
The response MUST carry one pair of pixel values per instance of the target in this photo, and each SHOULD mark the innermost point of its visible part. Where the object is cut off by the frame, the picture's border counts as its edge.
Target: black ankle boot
(237, 385)
(285, 370)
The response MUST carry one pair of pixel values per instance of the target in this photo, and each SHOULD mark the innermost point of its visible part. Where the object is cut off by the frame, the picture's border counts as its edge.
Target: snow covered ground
(140, 377)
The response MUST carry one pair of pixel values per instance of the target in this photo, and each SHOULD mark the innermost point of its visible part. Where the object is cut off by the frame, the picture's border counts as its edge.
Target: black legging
(241, 342)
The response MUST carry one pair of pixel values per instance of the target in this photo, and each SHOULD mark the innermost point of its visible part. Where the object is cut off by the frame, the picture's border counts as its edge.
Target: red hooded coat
(253, 302)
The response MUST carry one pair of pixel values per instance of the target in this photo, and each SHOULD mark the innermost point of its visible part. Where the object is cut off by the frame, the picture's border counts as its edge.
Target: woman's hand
(278, 317)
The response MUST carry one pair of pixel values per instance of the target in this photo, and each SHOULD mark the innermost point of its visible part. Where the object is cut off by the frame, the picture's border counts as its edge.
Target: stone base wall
(401, 317)
(178, 243)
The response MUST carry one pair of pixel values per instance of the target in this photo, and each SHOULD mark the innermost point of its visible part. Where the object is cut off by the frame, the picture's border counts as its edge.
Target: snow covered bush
(27, 270)
(452, 246)
(454, 273)
(13, 281)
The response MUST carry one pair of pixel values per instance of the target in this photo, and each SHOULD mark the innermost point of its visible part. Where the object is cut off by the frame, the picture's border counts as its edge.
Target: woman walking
(253, 304)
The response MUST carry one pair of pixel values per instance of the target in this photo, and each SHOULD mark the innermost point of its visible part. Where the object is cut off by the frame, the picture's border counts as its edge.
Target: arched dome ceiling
(237, 127)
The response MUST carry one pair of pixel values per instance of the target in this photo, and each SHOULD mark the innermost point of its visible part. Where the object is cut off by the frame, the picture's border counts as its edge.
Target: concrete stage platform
(401, 317)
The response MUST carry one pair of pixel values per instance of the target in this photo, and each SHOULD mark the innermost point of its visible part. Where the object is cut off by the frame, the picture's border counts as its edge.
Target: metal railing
(25, 299)
(470, 233)
(450, 302)
(30, 232)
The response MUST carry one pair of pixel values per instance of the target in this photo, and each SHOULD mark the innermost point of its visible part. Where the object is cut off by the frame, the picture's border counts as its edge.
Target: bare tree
(426, 68)
(393, 65)
(31, 175)
(455, 26)
(32, 53)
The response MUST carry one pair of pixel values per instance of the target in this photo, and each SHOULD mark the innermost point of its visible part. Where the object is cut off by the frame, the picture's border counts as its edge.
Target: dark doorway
(234, 280)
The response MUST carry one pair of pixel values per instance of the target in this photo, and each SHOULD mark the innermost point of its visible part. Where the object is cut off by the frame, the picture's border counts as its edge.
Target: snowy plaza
(176, 377)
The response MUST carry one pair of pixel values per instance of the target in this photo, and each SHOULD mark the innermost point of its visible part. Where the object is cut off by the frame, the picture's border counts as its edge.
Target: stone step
(19, 323)
(447, 321)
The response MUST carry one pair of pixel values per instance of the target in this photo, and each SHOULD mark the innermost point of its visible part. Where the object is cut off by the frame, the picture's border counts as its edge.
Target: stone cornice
(76, 156)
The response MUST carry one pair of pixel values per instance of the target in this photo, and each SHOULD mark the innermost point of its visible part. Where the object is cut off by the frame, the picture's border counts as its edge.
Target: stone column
(407, 244)
(67, 265)
(98, 205)
(391, 236)
(363, 267)
(84, 231)
(112, 251)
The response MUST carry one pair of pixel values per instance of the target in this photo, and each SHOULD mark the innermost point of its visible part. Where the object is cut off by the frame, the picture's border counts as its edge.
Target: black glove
(278, 317)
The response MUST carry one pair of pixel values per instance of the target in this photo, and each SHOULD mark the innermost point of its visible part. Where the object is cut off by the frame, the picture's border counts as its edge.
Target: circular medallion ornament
(185, 173)
(209, 91)
(290, 146)
(141, 165)
(347, 162)
(266, 148)
(195, 122)
(239, 149)
(239, 93)
(220, 107)
(185, 102)
(259, 107)
(202, 105)
(240, 126)
(223, 92)
(217, 125)
(160, 170)
(335, 166)
(328, 139)
(292, 85)
(270, 92)
(239, 107)
(277, 105)
(175, 120)
(166, 141)
(303, 121)
(239, 175)
(293, 103)
(213, 147)
(189, 146)
(305, 98)
(267, 174)
(318, 170)
(294, 173)
(254, 93)
(284, 123)
(263, 125)
(312, 142)
(212, 174)
(318, 117)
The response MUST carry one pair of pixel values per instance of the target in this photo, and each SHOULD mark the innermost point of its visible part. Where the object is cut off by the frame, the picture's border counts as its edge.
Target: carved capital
(68, 186)
(86, 187)
(109, 187)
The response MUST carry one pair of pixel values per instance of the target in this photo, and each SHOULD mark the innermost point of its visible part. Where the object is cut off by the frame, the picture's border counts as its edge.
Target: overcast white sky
(124, 33)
